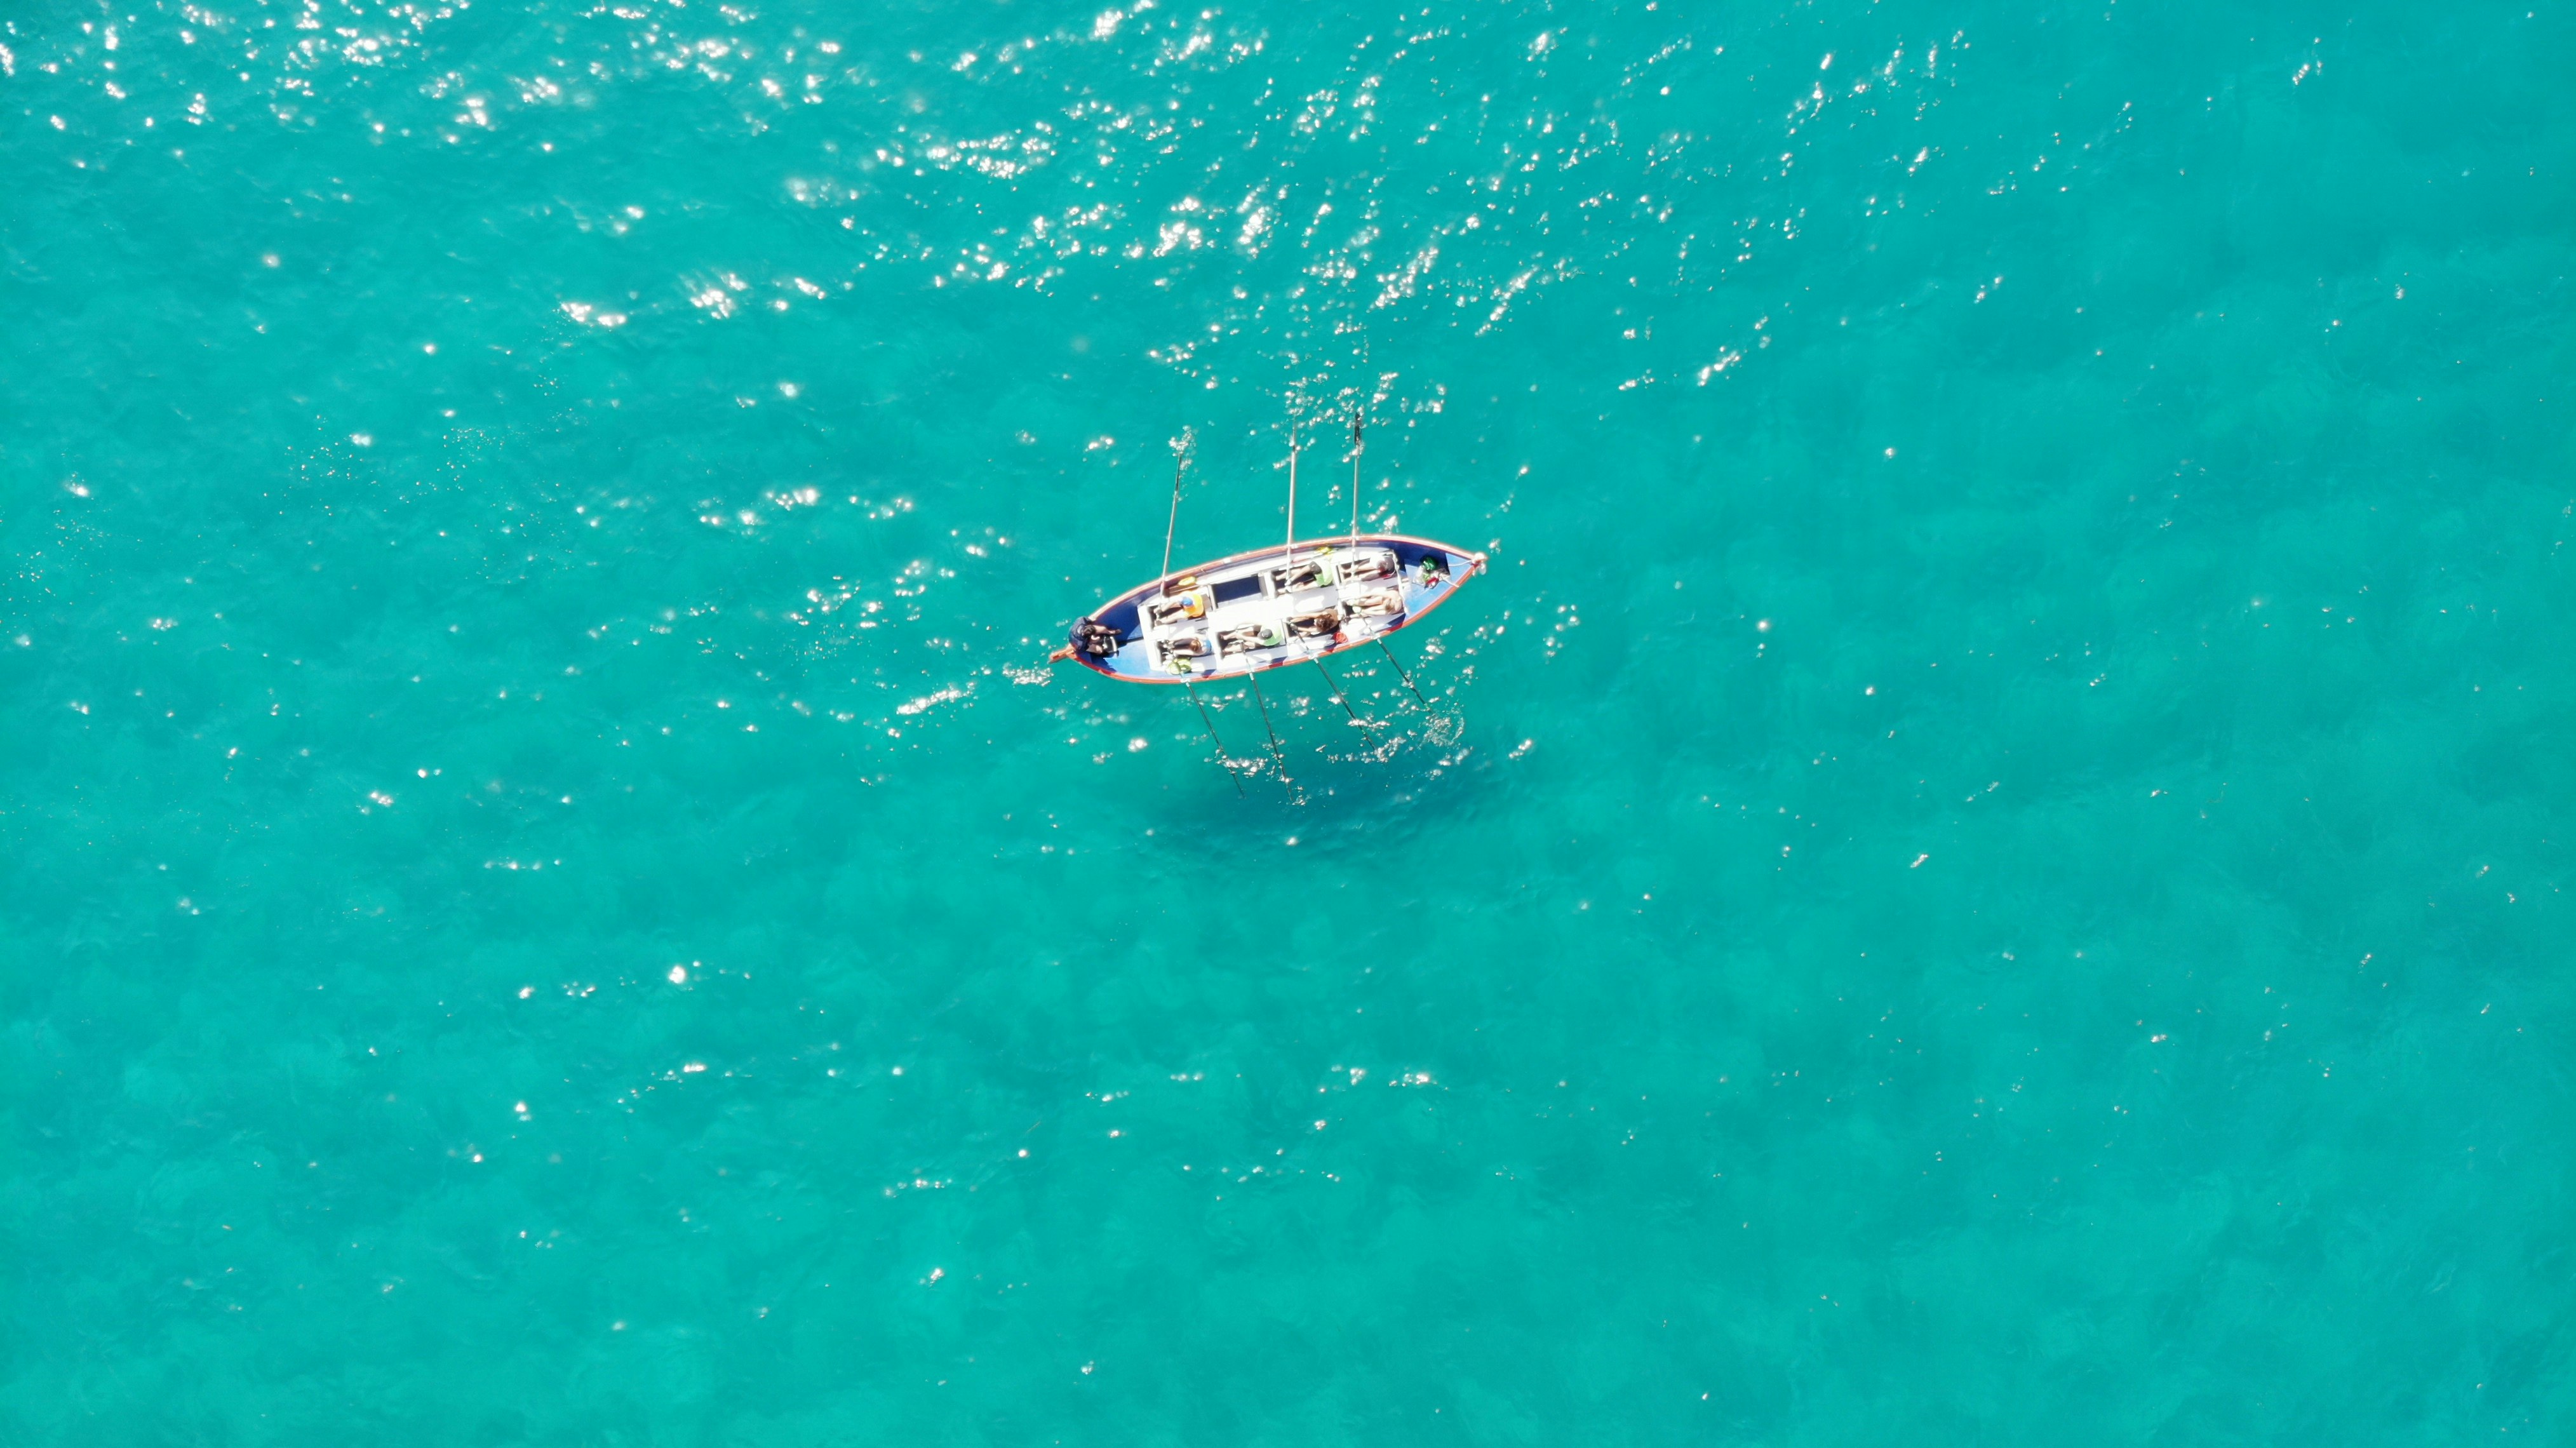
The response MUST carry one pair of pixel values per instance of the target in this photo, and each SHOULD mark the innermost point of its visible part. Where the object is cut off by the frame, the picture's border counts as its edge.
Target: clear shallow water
(539, 909)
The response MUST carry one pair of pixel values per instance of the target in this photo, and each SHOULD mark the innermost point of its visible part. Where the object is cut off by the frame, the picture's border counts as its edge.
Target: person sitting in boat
(1368, 567)
(1183, 648)
(1250, 636)
(1299, 576)
(1178, 607)
(1379, 603)
(1090, 636)
(1434, 569)
(1323, 623)
(1096, 638)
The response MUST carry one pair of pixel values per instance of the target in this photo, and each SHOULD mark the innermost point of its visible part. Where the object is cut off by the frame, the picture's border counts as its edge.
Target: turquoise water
(1986, 867)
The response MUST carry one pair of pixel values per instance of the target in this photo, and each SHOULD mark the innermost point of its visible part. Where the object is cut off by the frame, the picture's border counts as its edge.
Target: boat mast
(1292, 492)
(1359, 445)
(1180, 460)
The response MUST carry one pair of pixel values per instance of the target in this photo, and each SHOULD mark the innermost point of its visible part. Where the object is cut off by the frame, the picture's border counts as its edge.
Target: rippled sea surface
(1987, 865)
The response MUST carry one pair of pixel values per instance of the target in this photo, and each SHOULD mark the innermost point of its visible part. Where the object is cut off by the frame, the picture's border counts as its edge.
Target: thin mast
(1292, 492)
(1359, 445)
(1180, 460)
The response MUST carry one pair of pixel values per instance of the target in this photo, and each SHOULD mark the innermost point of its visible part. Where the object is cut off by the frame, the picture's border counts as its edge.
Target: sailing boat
(1296, 603)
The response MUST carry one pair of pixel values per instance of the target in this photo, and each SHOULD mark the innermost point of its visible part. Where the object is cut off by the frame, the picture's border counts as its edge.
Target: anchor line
(1400, 673)
(1192, 690)
(1278, 755)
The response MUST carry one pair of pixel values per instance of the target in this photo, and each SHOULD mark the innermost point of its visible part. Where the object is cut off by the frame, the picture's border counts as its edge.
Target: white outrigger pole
(1359, 445)
(1180, 460)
